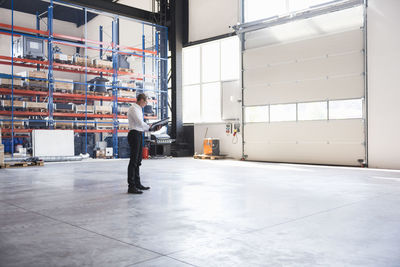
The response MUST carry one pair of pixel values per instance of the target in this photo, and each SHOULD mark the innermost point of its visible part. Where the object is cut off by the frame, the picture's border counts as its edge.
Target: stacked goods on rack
(64, 85)
(63, 107)
(64, 124)
(62, 58)
(103, 109)
(6, 81)
(126, 93)
(104, 124)
(36, 106)
(6, 123)
(80, 60)
(83, 109)
(102, 64)
(82, 124)
(34, 124)
(35, 80)
(7, 105)
(123, 124)
(80, 89)
(123, 110)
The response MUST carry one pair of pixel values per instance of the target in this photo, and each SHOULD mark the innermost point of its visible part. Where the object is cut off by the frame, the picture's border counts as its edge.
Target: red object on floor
(145, 154)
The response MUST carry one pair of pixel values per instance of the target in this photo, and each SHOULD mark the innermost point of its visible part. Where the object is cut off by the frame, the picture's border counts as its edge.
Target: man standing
(136, 128)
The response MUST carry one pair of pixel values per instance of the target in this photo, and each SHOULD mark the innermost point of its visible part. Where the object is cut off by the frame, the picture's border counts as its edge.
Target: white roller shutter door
(323, 68)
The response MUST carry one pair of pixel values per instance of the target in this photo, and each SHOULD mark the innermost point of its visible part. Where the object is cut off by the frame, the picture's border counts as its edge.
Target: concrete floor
(199, 213)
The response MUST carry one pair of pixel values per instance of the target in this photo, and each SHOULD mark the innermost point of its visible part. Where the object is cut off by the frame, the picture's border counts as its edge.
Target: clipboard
(158, 123)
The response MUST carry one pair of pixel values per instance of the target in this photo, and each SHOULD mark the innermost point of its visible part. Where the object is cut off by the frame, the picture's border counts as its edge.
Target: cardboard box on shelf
(63, 58)
(104, 124)
(103, 109)
(64, 85)
(102, 64)
(123, 110)
(33, 74)
(17, 124)
(4, 82)
(126, 93)
(82, 109)
(64, 125)
(16, 104)
(35, 105)
(82, 124)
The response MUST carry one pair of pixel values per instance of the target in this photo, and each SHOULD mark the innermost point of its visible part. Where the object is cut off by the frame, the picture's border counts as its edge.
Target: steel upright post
(115, 85)
(101, 57)
(37, 28)
(12, 78)
(50, 59)
(86, 83)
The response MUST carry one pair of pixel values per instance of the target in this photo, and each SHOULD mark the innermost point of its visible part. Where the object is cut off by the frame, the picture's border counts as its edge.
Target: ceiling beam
(118, 9)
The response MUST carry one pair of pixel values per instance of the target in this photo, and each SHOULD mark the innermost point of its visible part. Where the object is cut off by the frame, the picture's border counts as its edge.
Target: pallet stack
(32, 81)
(103, 64)
(62, 58)
(6, 83)
(64, 85)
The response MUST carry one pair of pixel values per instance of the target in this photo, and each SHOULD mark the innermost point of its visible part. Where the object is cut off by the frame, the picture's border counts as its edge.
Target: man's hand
(157, 128)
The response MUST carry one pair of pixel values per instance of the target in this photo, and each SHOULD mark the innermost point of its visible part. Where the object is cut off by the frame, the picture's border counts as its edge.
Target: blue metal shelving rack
(160, 60)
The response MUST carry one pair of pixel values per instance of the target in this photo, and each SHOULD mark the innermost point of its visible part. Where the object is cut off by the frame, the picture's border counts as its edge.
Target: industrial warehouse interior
(199, 133)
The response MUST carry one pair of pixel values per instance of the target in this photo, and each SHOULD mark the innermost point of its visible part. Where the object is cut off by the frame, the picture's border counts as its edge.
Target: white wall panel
(322, 142)
(326, 45)
(305, 70)
(346, 20)
(231, 95)
(312, 90)
(383, 88)
(209, 18)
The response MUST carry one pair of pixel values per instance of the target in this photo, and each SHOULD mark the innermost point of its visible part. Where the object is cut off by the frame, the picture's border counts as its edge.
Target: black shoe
(134, 190)
(141, 187)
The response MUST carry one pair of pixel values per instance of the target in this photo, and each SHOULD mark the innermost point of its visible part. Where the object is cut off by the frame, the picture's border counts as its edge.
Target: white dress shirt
(135, 119)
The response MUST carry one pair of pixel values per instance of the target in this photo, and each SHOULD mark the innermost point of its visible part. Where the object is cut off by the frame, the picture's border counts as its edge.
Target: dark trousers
(135, 142)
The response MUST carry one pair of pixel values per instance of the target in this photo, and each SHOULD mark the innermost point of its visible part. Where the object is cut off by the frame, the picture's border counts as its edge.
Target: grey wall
(209, 18)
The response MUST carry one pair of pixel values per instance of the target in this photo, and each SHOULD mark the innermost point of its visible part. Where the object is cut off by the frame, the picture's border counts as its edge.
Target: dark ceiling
(76, 16)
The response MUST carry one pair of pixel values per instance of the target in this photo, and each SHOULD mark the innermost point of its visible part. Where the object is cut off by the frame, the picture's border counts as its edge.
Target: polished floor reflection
(199, 213)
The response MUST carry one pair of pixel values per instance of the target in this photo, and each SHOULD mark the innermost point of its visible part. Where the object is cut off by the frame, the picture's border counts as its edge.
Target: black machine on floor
(160, 143)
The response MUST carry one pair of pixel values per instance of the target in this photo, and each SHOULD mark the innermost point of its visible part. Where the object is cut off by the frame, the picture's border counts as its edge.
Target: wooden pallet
(212, 157)
(64, 110)
(8, 86)
(36, 109)
(8, 126)
(21, 164)
(103, 112)
(82, 92)
(37, 88)
(64, 91)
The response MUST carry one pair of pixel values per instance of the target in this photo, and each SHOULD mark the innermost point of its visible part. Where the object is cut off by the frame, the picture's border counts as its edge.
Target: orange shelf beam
(7, 130)
(71, 68)
(22, 92)
(79, 39)
(69, 115)
(24, 29)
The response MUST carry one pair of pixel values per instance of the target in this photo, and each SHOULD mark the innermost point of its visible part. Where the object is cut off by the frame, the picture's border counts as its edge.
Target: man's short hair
(141, 97)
